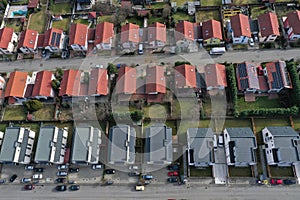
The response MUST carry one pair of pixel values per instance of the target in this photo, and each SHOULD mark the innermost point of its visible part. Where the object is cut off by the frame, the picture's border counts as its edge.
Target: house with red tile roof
(130, 37)
(239, 29)
(211, 32)
(247, 77)
(70, 84)
(104, 35)
(28, 41)
(292, 24)
(126, 81)
(155, 80)
(268, 27)
(8, 40)
(215, 76)
(185, 76)
(277, 76)
(98, 82)
(157, 35)
(16, 87)
(42, 88)
(78, 37)
(186, 35)
(54, 40)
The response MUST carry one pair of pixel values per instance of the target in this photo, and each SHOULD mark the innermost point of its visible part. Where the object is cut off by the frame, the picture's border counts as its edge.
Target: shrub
(33, 105)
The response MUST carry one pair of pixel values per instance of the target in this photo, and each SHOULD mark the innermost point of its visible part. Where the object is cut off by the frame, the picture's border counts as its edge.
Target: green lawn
(61, 8)
(158, 5)
(82, 21)
(179, 3)
(172, 124)
(243, 2)
(262, 123)
(117, 108)
(296, 123)
(38, 20)
(3, 127)
(152, 19)
(256, 11)
(240, 171)
(184, 125)
(63, 24)
(206, 172)
(14, 113)
(211, 2)
(281, 171)
(202, 16)
(135, 20)
(20, 2)
(15, 24)
(156, 111)
(182, 16)
(261, 102)
(282, 11)
(105, 18)
(185, 110)
(46, 113)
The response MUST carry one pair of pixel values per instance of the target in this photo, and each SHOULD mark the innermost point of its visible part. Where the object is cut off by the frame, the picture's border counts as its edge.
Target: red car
(28, 187)
(174, 173)
(275, 181)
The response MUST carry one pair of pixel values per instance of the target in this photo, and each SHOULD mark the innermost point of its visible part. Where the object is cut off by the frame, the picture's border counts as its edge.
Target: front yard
(14, 113)
(202, 16)
(38, 21)
(281, 171)
(203, 172)
(239, 171)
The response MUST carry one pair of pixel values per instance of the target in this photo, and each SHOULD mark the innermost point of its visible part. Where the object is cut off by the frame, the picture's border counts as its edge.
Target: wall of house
(26, 50)
(291, 34)
(212, 41)
(156, 43)
(270, 38)
(240, 40)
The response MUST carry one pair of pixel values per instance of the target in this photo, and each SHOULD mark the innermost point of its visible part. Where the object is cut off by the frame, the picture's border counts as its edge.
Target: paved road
(201, 57)
(10, 192)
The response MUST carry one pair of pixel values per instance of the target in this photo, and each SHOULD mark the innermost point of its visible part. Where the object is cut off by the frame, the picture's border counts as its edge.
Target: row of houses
(17, 146)
(281, 146)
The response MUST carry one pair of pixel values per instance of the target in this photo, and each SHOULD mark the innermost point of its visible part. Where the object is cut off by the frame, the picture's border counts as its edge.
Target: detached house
(130, 36)
(278, 76)
(54, 40)
(28, 41)
(211, 32)
(42, 88)
(70, 84)
(269, 27)
(157, 35)
(104, 35)
(185, 76)
(98, 82)
(292, 24)
(215, 76)
(186, 34)
(155, 83)
(240, 29)
(8, 40)
(126, 81)
(247, 77)
(78, 37)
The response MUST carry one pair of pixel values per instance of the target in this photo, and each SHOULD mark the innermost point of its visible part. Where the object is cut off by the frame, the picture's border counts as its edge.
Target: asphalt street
(154, 192)
(201, 57)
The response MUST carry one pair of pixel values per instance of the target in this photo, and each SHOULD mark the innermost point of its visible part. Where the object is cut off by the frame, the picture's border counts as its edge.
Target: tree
(137, 115)
(33, 105)
(112, 69)
(177, 63)
(166, 12)
(55, 84)
(59, 73)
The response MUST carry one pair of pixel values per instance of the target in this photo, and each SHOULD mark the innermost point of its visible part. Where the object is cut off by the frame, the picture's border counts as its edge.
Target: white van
(141, 49)
(217, 51)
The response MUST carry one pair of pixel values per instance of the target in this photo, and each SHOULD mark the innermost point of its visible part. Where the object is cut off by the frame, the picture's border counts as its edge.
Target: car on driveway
(289, 181)
(74, 170)
(174, 173)
(26, 180)
(251, 42)
(172, 179)
(74, 187)
(110, 171)
(13, 178)
(276, 181)
(147, 177)
(29, 167)
(133, 174)
(62, 167)
(60, 180)
(98, 166)
(39, 169)
(61, 188)
(173, 167)
(37, 176)
(62, 173)
(139, 187)
(28, 187)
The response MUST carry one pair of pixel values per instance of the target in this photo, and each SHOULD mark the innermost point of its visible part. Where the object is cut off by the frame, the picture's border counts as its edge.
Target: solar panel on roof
(242, 70)
(277, 77)
(58, 39)
(53, 38)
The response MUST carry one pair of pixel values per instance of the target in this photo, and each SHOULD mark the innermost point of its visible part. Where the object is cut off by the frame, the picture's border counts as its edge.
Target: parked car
(109, 182)
(71, 181)
(29, 187)
(39, 169)
(98, 166)
(60, 180)
(74, 187)
(37, 176)
(289, 181)
(29, 167)
(139, 187)
(2, 181)
(110, 171)
(26, 180)
(275, 181)
(13, 178)
(251, 42)
(147, 177)
(133, 167)
(133, 174)
(174, 173)
(61, 188)
(62, 173)
(61, 167)
(172, 179)
(173, 167)
(74, 170)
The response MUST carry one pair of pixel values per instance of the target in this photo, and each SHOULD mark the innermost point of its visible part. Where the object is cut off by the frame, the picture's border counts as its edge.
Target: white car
(61, 167)
(251, 42)
(29, 167)
(99, 166)
(62, 173)
(37, 176)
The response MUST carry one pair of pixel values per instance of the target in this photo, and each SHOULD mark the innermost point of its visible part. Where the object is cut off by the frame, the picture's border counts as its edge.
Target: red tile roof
(130, 32)
(184, 30)
(268, 24)
(16, 84)
(78, 34)
(49, 40)
(211, 29)
(185, 76)
(240, 25)
(157, 32)
(155, 80)
(28, 39)
(215, 75)
(33, 3)
(5, 37)
(42, 85)
(126, 81)
(70, 84)
(104, 32)
(98, 83)
(293, 19)
(92, 15)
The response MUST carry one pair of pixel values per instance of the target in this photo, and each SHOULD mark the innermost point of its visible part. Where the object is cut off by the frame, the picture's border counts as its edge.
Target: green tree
(177, 63)
(137, 115)
(59, 73)
(33, 105)
(112, 69)
(55, 84)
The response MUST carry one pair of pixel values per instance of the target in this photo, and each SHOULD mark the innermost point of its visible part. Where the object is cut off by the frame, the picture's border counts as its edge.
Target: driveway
(220, 167)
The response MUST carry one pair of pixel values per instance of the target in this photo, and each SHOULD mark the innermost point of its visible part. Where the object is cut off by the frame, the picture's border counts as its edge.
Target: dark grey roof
(253, 25)
(240, 132)
(86, 145)
(121, 147)
(282, 131)
(158, 146)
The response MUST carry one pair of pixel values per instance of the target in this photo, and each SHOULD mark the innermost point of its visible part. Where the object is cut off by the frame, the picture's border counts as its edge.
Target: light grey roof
(86, 145)
(200, 141)
(282, 131)
(240, 132)
(121, 147)
(51, 143)
(158, 147)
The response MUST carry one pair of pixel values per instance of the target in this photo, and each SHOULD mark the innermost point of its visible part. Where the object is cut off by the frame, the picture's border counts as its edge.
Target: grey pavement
(220, 167)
